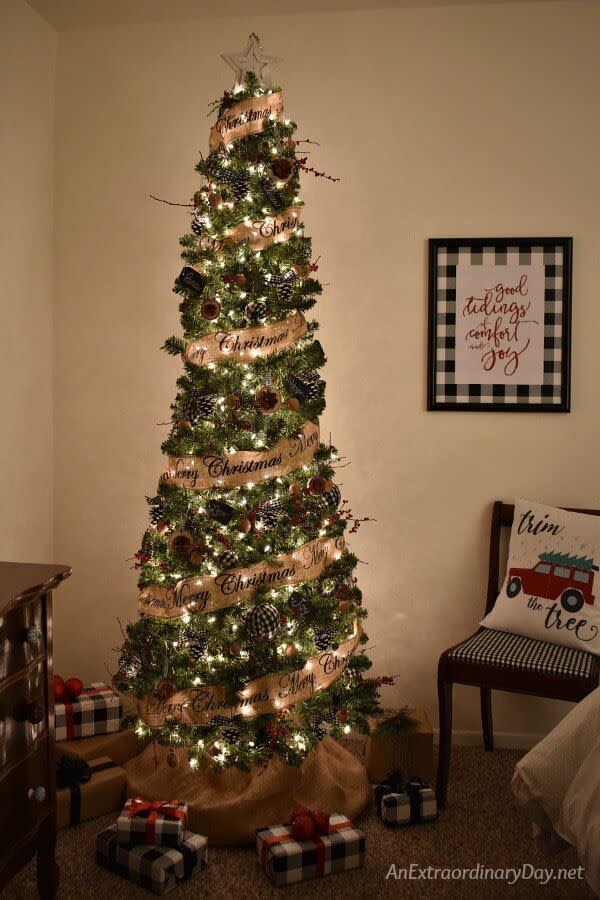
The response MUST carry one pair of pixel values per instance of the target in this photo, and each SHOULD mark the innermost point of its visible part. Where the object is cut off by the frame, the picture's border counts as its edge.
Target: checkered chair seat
(514, 651)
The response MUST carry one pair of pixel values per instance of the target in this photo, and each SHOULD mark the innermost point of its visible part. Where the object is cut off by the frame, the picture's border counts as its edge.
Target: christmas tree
(249, 639)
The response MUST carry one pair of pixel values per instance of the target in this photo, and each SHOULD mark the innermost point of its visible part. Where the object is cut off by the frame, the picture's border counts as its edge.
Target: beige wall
(27, 80)
(453, 121)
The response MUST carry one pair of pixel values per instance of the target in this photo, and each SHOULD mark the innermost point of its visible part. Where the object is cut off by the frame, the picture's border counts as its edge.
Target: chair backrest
(502, 517)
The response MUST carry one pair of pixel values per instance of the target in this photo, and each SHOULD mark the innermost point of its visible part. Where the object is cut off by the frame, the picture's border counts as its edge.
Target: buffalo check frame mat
(500, 324)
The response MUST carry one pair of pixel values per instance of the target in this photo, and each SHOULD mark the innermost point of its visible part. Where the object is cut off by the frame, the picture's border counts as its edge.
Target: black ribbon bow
(393, 784)
(72, 771)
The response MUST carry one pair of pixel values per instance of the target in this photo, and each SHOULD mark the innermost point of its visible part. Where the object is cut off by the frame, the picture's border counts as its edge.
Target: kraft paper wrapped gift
(90, 789)
(159, 869)
(411, 752)
(287, 861)
(121, 746)
(97, 710)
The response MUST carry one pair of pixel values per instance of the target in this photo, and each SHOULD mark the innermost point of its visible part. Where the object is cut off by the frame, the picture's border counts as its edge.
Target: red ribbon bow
(272, 839)
(151, 809)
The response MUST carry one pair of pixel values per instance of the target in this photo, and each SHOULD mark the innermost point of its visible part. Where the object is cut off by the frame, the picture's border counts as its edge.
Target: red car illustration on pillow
(556, 576)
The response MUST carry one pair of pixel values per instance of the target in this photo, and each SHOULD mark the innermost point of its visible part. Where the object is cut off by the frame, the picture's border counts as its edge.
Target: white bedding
(558, 784)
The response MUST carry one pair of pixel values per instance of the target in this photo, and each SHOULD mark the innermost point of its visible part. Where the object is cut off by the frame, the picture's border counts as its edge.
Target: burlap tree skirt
(229, 806)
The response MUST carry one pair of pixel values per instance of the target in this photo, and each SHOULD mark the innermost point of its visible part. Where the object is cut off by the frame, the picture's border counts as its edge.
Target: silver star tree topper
(252, 59)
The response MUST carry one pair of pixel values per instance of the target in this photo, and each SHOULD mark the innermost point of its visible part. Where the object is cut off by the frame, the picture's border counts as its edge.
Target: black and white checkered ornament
(227, 559)
(263, 621)
(196, 642)
(219, 721)
(197, 224)
(156, 509)
(323, 638)
(256, 311)
(304, 385)
(284, 285)
(330, 499)
(271, 512)
(196, 407)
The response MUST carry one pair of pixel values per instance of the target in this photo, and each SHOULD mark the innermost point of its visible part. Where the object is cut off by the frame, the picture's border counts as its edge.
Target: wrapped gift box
(398, 804)
(91, 789)
(410, 752)
(121, 746)
(423, 802)
(160, 822)
(97, 710)
(156, 868)
(286, 861)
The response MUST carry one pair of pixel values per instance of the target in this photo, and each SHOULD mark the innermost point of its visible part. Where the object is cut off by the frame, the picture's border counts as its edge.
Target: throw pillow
(549, 591)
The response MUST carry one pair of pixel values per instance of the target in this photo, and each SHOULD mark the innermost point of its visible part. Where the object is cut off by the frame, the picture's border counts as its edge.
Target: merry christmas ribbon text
(236, 585)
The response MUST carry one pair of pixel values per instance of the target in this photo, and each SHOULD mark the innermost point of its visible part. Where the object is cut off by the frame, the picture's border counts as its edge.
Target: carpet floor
(481, 824)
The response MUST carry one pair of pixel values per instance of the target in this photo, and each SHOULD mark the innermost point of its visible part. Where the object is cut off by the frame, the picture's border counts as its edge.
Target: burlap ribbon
(245, 466)
(271, 693)
(236, 585)
(246, 343)
(246, 117)
(267, 231)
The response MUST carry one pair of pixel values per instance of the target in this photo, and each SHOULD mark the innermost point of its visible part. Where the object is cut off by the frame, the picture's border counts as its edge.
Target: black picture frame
(551, 393)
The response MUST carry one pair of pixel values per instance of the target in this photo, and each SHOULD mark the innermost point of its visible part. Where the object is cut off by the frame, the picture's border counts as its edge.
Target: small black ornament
(192, 279)
(271, 512)
(227, 559)
(256, 311)
(198, 406)
(263, 621)
(220, 511)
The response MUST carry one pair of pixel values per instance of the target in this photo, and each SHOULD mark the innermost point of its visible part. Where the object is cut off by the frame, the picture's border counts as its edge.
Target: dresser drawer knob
(37, 794)
(33, 636)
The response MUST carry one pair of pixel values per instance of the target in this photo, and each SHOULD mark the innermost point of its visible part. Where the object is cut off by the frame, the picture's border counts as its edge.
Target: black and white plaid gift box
(146, 822)
(286, 861)
(397, 803)
(394, 809)
(156, 868)
(97, 710)
(423, 802)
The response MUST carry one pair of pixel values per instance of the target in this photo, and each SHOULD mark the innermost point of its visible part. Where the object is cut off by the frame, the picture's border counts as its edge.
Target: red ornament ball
(298, 812)
(73, 687)
(304, 828)
(321, 820)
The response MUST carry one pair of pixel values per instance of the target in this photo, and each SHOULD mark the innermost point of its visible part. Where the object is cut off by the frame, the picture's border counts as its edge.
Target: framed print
(499, 324)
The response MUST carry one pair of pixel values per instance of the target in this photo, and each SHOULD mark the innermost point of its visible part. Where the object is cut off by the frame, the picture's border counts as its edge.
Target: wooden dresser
(27, 776)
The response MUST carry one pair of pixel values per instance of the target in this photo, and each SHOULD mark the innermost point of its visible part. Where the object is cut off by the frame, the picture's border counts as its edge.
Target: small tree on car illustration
(556, 576)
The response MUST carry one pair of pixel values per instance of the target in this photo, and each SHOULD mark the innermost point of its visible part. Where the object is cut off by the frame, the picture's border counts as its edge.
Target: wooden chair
(497, 660)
